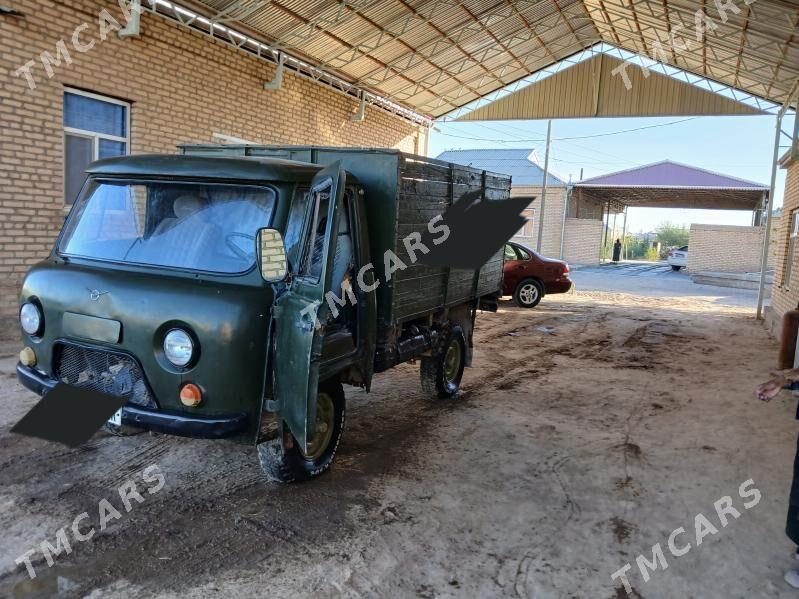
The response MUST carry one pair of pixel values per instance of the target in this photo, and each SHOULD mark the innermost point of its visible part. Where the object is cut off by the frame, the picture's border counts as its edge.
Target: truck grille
(108, 372)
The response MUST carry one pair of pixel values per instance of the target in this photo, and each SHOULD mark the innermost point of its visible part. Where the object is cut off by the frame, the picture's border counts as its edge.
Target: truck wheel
(528, 293)
(123, 430)
(442, 373)
(290, 464)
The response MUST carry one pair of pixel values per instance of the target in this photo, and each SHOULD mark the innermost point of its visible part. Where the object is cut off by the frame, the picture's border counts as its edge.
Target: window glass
(93, 129)
(523, 254)
(78, 154)
(294, 224)
(510, 253)
(191, 226)
(315, 242)
(109, 148)
(91, 114)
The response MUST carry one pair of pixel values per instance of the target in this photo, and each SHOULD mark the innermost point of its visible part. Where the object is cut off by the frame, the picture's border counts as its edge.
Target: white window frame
(94, 135)
(528, 219)
(793, 233)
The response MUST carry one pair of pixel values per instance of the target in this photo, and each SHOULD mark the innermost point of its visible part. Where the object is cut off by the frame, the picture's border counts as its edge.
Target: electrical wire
(519, 140)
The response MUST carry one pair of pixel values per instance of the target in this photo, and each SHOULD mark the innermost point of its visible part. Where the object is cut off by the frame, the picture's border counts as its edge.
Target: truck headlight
(30, 318)
(178, 347)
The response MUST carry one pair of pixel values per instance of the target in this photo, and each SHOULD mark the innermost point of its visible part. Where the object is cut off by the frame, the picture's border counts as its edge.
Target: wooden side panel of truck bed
(426, 189)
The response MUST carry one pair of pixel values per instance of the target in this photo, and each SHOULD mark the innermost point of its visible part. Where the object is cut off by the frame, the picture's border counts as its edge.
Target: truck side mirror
(271, 255)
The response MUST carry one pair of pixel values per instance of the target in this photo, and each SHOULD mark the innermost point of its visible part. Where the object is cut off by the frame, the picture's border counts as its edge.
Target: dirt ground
(588, 430)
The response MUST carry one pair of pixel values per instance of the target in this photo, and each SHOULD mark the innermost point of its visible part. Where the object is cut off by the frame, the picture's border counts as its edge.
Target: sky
(741, 146)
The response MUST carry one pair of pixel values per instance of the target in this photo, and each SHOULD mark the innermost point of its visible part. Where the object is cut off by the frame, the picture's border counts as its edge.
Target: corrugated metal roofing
(671, 175)
(591, 89)
(434, 56)
(514, 162)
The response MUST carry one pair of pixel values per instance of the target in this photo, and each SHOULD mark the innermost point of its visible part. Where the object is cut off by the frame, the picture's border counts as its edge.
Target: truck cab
(199, 288)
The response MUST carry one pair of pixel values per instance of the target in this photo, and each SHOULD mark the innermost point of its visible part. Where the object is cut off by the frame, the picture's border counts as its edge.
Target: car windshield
(207, 227)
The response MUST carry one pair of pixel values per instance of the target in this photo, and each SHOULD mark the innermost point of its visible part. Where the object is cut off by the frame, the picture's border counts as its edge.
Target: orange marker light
(190, 395)
(27, 357)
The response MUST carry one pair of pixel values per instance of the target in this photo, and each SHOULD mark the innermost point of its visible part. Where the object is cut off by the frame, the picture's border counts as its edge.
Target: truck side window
(294, 226)
(315, 242)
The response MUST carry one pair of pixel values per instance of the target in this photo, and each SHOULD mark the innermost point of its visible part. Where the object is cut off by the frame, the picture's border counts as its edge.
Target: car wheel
(675, 267)
(528, 293)
(282, 460)
(442, 373)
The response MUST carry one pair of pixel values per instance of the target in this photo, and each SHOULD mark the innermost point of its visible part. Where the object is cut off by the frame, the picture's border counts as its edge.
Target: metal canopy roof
(590, 89)
(670, 184)
(517, 163)
(434, 56)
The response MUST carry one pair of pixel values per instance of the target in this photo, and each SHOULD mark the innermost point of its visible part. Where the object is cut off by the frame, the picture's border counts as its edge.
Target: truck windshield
(207, 227)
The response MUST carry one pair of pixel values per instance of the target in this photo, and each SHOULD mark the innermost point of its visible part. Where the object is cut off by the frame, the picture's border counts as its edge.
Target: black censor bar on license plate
(69, 415)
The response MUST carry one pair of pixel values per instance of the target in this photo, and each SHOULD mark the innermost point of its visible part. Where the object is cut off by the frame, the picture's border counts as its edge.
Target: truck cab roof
(206, 167)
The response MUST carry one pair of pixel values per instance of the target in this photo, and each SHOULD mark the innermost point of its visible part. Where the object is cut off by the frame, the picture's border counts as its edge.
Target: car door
(299, 312)
(513, 268)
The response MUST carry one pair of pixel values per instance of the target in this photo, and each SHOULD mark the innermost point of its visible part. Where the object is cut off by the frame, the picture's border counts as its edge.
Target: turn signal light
(27, 357)
(190, 395)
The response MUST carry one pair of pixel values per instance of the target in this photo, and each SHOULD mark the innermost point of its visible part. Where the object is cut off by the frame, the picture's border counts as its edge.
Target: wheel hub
(323, 433)
(528, 293)
(452, 361)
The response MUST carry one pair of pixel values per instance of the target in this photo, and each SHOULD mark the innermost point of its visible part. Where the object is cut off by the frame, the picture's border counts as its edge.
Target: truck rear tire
(290, 464)
(441, 374)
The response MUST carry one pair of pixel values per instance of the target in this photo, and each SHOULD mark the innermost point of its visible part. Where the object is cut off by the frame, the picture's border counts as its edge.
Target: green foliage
(636, 248)
(652, 255)
(671, 235)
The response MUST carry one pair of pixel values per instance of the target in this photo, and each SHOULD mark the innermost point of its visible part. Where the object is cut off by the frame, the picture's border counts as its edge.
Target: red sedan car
(529, 276)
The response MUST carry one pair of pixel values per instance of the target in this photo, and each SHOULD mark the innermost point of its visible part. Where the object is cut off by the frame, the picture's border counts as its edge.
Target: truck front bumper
(170, 423)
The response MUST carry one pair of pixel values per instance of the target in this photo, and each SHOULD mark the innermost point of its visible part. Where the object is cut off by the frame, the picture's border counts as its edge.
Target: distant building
(579, 238)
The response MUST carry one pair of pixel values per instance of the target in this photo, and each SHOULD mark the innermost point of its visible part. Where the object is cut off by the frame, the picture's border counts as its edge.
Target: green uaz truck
(231, 291)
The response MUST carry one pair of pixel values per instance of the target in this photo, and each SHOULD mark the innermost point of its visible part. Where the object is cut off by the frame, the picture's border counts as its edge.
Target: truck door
(298, 312)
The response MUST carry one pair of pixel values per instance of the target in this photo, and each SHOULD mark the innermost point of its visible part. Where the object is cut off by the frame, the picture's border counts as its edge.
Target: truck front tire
(285, 462)
(441, 373)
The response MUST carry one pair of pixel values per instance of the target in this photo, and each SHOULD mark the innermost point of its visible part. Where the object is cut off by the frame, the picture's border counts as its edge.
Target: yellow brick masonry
(183, 88)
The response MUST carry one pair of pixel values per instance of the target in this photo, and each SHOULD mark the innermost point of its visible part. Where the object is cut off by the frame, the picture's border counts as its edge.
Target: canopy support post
(624, 236)
(770, 199)
(606, 222)
(565, 215)
(544, 188)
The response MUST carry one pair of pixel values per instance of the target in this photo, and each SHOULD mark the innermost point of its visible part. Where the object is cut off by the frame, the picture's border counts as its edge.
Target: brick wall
(183, 88)
(553, 218)
(582, 240)
(725, 248)
(785, 294)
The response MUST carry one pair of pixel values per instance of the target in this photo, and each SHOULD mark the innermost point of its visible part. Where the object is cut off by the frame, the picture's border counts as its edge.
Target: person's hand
(768, 390)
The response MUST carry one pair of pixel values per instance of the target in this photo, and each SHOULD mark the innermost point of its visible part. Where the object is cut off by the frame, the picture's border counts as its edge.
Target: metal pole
(544, 186)
(607, 226)
(764, 257)
(624, 236)
(563, 224)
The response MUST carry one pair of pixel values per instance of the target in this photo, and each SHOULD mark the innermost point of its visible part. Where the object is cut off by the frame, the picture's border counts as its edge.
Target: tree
(670, 235)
